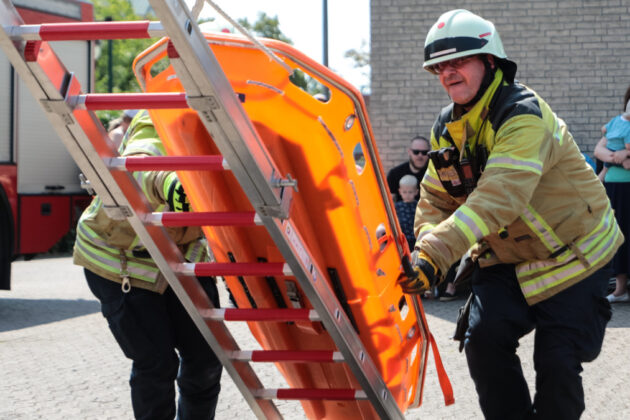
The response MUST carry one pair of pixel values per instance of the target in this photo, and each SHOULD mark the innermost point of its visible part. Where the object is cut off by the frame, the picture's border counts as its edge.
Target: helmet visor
(447, 46)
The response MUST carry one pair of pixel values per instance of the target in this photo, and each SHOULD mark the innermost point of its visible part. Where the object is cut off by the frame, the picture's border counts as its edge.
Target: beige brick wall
(575, 54)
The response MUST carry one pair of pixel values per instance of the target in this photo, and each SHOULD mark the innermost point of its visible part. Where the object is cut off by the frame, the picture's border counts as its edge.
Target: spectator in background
(613, 150)
(616, 132)
(406, 207)
(120, 126)
(417, 165)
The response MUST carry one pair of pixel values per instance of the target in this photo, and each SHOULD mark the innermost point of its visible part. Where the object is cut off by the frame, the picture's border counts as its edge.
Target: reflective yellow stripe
(568, 271)
(505, 161)
(424, 230)
(604, 225)
(196, 251)
(470, 224)
(144, 147)
(585, 245)
(540, 227)
(135, 243)
(600, 247)
(433, 182)
(557, 129)
(110, 261)
(88, 235)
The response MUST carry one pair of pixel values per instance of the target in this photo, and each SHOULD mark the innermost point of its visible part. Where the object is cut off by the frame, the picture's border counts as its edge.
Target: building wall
(574, 53)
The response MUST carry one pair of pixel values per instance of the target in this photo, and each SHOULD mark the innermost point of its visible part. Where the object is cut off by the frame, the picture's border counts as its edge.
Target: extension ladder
(209, 93)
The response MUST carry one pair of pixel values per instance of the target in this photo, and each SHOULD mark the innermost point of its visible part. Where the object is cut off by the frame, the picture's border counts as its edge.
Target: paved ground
(59, 361)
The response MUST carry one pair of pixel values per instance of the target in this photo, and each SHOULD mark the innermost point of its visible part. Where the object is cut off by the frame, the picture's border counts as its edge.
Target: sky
(301, 21)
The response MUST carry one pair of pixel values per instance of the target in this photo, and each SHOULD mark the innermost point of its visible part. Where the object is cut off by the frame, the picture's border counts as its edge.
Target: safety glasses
(455, 63)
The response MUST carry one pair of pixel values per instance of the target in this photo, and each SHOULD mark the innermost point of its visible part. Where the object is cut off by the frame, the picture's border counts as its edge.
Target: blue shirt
(406, 213)
(617, 133)
(617, 136)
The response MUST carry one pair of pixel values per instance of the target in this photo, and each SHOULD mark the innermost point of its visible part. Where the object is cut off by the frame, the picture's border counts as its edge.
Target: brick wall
(575, 54)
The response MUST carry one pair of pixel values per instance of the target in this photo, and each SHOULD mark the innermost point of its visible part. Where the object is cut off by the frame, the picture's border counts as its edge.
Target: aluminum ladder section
(209, 93)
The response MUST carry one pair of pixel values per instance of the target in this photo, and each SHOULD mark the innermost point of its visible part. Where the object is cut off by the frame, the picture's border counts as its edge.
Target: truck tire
(6, 241)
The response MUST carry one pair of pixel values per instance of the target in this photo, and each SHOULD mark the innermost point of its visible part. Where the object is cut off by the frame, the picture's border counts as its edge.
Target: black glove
(424, 277)
(175, 195)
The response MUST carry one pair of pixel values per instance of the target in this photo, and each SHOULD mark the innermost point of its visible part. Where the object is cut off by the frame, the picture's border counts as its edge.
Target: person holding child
(614, 150)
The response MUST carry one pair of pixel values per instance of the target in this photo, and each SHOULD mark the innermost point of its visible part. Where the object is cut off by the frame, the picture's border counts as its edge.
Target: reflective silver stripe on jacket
(544, 232)
(519, 164)
(543, 274)
(109, 261)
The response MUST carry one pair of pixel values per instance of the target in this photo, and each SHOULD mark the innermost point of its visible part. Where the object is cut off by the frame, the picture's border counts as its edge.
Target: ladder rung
(310, 394)
(248, 314)
(169, 163)
(109, 101)
(172, 219)
(236, 269)
(84, 31)
(287, 356)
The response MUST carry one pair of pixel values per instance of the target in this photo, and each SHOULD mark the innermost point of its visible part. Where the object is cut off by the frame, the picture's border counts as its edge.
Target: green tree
(266, 26)
(269, 27)
(124, 51)
(361, 58)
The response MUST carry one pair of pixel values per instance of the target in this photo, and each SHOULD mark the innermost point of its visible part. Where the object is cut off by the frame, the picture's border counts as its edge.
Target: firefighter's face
(462, 81)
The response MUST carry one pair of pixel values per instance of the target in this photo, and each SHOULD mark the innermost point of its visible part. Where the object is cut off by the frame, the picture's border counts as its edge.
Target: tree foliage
(266, 26)
(361, 58)
(269, 27)
(124, 51)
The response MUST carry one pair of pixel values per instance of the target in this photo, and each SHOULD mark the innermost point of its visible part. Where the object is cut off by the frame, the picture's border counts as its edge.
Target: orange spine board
(339, 210)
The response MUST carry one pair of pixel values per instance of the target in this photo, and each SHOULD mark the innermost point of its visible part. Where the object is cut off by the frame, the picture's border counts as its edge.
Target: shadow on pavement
(16, 314)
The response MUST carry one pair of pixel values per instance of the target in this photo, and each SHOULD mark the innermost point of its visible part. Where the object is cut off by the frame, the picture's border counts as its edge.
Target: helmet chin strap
(488, 77)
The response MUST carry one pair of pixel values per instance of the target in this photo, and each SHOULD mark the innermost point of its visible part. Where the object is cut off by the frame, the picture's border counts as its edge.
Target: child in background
(406, 207)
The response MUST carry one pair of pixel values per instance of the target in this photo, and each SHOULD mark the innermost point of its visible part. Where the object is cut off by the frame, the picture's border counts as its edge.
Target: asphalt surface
(58, 359)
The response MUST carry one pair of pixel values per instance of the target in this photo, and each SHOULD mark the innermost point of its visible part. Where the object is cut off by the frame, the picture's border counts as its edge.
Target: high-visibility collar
(473, 118)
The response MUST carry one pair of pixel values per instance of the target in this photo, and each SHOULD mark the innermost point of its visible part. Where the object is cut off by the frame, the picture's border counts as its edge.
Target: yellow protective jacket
(537, 204)
(111, 248)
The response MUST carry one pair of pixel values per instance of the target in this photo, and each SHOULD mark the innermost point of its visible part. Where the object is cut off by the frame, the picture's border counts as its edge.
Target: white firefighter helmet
(460, 33)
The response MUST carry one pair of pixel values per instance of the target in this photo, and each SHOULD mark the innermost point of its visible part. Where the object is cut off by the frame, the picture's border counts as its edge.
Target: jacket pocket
(517, 243)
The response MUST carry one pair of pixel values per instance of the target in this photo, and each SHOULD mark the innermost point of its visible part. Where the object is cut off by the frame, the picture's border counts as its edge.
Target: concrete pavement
(58, 359)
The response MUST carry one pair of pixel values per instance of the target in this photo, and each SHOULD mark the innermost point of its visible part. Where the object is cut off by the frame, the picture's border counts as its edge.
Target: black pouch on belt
(461, 325)
(447, 166)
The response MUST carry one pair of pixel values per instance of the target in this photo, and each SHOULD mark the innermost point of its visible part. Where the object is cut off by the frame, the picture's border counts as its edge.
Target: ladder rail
(120, 191)
(225, 119)
(369, 142)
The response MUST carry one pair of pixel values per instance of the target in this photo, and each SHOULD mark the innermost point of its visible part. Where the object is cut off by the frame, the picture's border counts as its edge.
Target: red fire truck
(40, 192)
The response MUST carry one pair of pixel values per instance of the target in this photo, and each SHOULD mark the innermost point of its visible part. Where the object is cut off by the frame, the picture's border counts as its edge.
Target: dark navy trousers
(158, 335)
(569, 328)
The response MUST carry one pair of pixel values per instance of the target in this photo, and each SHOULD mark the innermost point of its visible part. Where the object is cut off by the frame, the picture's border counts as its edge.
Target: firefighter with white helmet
(508, 186)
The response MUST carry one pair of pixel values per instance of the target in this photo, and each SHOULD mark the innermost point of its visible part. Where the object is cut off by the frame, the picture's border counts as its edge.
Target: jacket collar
(464, 125)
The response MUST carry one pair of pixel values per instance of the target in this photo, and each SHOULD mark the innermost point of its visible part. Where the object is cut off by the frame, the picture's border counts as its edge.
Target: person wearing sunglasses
(417, 152)
(507, 183)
